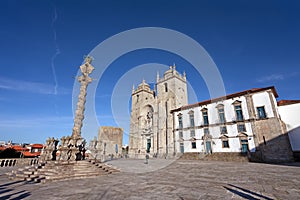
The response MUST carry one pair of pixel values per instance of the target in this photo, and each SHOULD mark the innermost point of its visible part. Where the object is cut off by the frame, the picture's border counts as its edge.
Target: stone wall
(111, 138)
(10, 162)
(273, 142)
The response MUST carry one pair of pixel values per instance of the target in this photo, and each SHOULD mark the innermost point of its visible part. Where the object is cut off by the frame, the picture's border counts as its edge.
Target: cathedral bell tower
(151, 121)
(141, 123)
(171, 94)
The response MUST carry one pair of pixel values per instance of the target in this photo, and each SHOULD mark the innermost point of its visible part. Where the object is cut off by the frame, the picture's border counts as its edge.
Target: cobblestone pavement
(180, 179)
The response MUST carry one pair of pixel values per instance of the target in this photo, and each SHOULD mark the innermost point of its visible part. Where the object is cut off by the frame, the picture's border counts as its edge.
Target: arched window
(223, 130)
(221, 113)
(225, 141)
(241, 128)
(180, 124)
(205, 116)
(166, 87)
(192, 120)
(238, 110)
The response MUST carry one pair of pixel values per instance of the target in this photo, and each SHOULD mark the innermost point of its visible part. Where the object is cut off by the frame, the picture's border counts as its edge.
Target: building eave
(230, 96)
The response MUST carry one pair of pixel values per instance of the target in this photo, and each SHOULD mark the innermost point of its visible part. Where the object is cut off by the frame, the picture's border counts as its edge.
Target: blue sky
(42, 43)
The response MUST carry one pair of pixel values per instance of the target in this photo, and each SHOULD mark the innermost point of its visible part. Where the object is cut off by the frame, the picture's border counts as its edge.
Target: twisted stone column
(71, 147)
(84, 80)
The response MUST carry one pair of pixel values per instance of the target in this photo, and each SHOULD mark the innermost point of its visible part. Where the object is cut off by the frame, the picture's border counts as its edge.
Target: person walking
(147, 157)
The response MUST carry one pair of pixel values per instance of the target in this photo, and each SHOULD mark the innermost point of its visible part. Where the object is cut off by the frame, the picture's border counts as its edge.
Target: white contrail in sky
(57, 52)
(30, 87)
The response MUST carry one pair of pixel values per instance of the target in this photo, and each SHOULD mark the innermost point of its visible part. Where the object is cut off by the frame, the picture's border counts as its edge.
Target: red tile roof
(31, 154)
(253, 90)
(19, 148)
(37, 146)
(287, 102)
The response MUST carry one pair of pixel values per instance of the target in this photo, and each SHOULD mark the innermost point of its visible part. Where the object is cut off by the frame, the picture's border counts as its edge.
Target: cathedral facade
(151, 124)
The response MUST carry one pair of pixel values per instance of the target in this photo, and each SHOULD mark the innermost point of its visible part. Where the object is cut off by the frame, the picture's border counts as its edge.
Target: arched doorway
(207, 139)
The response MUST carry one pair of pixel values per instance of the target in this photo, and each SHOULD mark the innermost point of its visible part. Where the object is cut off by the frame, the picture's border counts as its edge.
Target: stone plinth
(70, 149)
(50, 150)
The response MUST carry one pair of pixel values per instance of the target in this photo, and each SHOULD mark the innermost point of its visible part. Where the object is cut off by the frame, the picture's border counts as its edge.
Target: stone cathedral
(151, 124)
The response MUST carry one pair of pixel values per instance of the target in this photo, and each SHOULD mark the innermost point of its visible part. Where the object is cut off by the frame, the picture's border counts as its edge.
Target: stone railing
(10, 162)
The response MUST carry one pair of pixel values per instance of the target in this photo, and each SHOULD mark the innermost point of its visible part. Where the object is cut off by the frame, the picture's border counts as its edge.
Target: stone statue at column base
(50, 150)
(96, 150)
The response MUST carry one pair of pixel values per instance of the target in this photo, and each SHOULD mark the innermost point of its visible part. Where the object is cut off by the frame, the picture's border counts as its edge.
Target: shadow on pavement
(246, 194)
(8, 193)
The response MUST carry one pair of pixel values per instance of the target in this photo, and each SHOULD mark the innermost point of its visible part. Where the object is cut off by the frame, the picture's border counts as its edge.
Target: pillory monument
(68, 159)
(72, 147)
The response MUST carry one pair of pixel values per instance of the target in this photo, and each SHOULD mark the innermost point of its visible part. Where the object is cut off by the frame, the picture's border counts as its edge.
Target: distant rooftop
(287, 102)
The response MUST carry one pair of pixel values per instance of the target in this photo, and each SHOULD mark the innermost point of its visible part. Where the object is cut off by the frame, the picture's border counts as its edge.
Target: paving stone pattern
(181, 179)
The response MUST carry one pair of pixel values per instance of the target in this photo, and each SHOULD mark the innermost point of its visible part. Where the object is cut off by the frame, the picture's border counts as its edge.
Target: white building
(240, 122)
(289, 111)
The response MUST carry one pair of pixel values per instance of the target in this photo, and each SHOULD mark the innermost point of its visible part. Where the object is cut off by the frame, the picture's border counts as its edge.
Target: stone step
(215, 157)
(49, 170)
(31, 178)
(85, 172)
(39, 179)
(83, 166)
(115, 170)
(191, 156)
(58, 170)
(48, 173)
(32, 169)
(28, 172)
(226, 157)
(21, 175)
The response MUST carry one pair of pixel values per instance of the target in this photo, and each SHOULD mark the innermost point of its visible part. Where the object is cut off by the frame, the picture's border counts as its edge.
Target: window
(166, 87)
(193, 145)
(206, 131)
(181, 147)
(180, 134)
(137, 98)
(205, 117)
(221, 114)
(244, 144)
(180, 121)
(148, 145)
(223, 130)
(261, 112)
(241, 128)
(225, 143)
(192, 121)
(192, 133)
(166, 106)
(239, 113)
